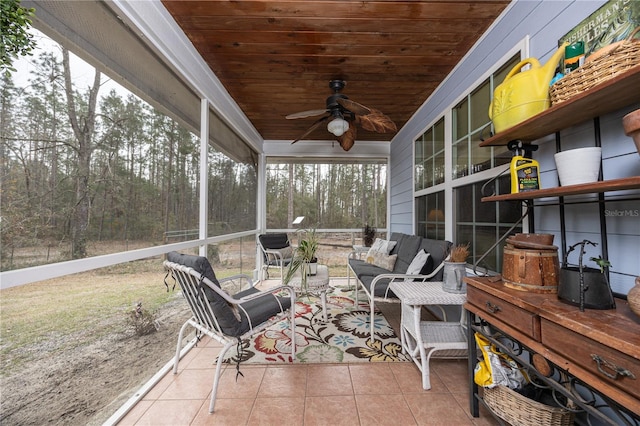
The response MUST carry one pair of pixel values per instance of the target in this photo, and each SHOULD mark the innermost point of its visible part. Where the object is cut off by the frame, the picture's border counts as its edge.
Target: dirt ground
(86, 386)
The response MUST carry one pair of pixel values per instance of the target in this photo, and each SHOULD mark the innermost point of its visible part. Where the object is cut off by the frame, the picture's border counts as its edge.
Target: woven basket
(616, 61)
(519, 410)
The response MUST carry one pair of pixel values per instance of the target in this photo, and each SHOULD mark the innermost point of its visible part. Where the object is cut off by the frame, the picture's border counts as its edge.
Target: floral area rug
(344, 337)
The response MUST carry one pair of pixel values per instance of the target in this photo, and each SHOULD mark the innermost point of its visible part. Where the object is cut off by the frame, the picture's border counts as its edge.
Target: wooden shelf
(584, 188)
(609, 96)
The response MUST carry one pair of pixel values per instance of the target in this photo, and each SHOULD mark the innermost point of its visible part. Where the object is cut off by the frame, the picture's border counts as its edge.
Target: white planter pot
(312, 268)
(578, 166)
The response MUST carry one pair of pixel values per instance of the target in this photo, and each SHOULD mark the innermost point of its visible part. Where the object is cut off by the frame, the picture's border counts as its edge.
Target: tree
(15, 21)
(83, 126)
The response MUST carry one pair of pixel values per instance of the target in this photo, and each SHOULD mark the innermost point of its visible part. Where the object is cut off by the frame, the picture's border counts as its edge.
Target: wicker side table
(422, 339)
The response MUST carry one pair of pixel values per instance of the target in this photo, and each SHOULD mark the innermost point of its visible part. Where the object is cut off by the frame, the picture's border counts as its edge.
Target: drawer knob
(492, 308)
(617, 371)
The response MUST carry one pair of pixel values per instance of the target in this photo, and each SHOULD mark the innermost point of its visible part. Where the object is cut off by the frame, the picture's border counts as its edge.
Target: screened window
(328, 195)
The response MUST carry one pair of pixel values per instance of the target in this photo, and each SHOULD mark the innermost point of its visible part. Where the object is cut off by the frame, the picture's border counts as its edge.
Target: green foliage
(15, 22)
(602, 263)
(302, 255)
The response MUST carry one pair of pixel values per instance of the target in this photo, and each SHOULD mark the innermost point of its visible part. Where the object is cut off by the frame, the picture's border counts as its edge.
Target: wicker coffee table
(317, 284)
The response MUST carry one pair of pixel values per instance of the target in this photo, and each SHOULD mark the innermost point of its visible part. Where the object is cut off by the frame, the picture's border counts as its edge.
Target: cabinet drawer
(520, 319)
(581, 350)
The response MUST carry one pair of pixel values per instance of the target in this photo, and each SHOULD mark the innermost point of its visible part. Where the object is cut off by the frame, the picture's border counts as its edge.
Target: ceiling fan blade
(313, 127)
(348, 138)
(305, 114)
(377, 122)
(353, 106)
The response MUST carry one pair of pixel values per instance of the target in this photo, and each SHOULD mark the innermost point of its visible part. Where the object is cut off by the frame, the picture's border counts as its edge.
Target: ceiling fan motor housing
(332, 101)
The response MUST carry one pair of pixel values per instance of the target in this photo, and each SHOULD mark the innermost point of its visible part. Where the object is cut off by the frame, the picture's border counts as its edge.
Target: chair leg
(371, 315)
(179, 346)
(216, 379)
(292, 326)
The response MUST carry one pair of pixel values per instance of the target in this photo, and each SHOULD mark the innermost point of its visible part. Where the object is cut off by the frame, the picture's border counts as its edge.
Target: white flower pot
(578, 166)
(313, 268)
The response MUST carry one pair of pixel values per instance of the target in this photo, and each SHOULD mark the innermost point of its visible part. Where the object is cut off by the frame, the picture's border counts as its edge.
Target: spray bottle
(525, 175)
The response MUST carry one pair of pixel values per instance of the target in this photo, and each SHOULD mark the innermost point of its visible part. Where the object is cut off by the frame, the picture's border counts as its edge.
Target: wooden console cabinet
(597, 349)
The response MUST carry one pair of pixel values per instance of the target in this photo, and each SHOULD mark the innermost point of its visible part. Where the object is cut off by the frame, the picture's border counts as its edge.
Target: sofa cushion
(406, 250)
(364, 269)
(381, 286)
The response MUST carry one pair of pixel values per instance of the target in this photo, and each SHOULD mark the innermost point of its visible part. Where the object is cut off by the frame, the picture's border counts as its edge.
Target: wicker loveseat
(375, 280)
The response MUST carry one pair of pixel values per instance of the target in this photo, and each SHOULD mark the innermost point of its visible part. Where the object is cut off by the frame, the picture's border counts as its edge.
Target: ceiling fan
(342, 116)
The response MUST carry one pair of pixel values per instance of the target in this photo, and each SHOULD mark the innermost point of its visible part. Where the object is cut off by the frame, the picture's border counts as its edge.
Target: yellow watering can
(523, 94)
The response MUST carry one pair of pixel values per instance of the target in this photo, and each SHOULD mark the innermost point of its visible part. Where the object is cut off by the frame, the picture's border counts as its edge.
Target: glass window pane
(480, 100)
(480, 156)
(438, 136)
(461, 159)
(464, 204)
(499, 76)
(460, 120)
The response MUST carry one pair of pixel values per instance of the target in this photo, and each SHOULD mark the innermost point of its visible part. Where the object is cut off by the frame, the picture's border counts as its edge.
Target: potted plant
(304, 258)
(584, 286)
(368, 235)
(455, 269)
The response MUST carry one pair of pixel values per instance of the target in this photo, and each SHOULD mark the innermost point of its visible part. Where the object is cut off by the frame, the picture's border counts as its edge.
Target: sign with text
(612, 22)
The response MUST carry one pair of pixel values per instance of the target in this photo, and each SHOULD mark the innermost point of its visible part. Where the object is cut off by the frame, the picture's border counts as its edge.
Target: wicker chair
(277, 252)
(226, 319)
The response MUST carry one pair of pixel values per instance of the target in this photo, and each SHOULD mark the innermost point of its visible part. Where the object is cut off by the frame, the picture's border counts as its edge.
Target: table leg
(323, 298)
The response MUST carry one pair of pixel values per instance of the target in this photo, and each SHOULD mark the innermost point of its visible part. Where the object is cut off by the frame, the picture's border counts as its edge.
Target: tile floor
(309, 394)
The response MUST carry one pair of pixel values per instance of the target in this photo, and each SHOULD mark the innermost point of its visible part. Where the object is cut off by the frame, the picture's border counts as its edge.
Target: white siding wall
(544, 22)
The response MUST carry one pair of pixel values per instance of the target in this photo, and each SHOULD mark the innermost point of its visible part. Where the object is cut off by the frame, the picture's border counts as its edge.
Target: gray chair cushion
(259, 310)
(221, 309)
(275, 241)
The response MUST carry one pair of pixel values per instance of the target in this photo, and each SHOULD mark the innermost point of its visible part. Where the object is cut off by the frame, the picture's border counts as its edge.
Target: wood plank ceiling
(277, 57)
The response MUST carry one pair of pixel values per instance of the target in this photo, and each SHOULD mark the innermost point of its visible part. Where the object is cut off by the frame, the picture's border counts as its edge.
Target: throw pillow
(417, 263)
(381, 246)
(383, 260)
(428, 266)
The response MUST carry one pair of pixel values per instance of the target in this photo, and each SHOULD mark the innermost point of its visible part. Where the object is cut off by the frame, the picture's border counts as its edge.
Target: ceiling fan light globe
(338, 126)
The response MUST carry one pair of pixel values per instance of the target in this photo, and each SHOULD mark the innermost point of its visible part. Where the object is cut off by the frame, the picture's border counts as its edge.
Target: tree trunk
(83, 129)
(290, 197)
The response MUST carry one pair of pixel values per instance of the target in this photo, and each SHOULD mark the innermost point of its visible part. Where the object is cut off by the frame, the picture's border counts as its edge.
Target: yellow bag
(496, 368)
